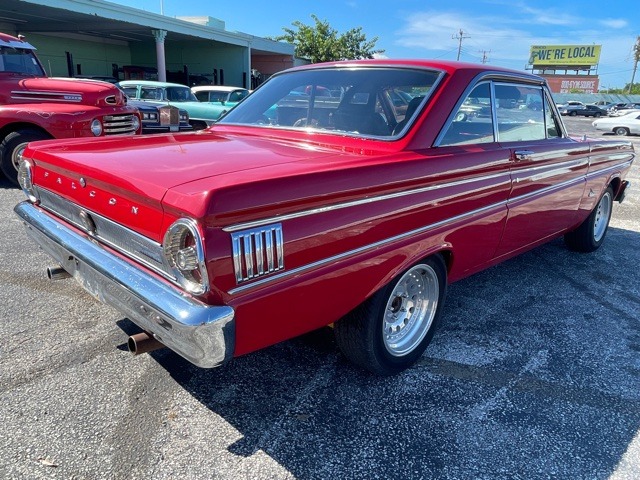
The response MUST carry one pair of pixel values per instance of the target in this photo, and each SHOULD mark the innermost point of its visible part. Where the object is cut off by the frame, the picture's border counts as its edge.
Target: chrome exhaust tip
(57, 273)
(143, 342)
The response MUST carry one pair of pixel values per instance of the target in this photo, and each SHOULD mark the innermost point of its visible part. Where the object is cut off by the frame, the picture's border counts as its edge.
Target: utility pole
(485, 58)
(636, 56)
(459, 37)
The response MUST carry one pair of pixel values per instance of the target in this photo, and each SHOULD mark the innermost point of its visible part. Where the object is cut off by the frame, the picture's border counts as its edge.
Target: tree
(632, 89)
(323, 43)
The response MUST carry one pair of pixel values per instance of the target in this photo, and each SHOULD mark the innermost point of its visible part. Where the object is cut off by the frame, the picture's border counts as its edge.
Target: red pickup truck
(34, 107)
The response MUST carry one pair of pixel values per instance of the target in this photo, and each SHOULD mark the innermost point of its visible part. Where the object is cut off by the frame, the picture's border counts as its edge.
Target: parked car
(591, 111)
(624, 108)
(620, 125)
(161, 118)
(227, 96)
(336, 211)
(571, 108)
(201, 115)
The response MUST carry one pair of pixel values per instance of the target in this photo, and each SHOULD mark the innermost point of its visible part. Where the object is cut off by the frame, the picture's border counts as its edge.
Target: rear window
(375, 102)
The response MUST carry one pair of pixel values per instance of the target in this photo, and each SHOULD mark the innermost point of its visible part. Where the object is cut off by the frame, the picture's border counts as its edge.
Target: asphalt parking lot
(535, 373)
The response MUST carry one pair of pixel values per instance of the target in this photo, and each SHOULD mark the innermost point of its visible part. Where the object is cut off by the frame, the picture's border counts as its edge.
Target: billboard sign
(561, 55)
(573, 83)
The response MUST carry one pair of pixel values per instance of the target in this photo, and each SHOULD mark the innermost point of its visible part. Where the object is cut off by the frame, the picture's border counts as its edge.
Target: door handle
(523, 155)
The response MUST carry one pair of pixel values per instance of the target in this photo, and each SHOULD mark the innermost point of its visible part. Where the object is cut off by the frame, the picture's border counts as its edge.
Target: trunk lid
(125, 180)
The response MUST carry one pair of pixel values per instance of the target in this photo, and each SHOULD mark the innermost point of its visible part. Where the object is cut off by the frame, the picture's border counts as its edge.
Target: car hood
(84, 92)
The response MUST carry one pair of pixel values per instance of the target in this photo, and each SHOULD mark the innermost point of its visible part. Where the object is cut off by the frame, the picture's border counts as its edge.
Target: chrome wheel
(12, 148)
(410, 310)
(16, 156)
(602, 214)
(622, 131)
(390, 331)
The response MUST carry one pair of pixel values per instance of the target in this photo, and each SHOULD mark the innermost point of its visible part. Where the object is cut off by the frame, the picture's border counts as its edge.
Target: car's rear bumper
(203, 334)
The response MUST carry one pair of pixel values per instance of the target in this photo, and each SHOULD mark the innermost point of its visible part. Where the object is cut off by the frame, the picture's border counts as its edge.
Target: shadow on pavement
(533, 374)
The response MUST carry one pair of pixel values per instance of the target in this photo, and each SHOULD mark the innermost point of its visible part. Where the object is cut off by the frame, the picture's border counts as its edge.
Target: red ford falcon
(349, 194)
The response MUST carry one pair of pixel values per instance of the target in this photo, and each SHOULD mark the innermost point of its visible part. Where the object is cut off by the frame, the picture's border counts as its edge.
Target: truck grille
(118, 124)
(257, 251)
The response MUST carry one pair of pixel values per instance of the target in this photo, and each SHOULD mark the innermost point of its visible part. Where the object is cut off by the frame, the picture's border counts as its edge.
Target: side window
(150, 93)
(472, 123)
(202, 96)
(132, 92)
(236, 96)
(551, 120)
(519, 113)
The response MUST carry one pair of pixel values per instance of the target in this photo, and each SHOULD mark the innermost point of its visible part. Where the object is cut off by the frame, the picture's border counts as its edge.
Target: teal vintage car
(201, 115)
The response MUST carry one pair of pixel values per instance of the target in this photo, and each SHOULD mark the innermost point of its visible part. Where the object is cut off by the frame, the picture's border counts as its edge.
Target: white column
(248, 86)
(160, 35)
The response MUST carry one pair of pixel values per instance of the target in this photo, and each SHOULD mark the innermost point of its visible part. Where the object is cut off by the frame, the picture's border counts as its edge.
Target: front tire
(389, 332)
(622, 131)
(11, 150)
(590, 234)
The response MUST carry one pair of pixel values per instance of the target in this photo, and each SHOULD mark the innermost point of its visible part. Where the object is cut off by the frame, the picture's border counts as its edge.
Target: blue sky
(503, 29)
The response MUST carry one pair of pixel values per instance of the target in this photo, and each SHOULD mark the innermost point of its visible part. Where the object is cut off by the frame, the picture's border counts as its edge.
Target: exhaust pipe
(57, 273)
(143, 342)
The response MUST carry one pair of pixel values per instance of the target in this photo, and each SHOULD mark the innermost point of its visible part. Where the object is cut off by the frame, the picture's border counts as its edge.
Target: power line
(460, 38)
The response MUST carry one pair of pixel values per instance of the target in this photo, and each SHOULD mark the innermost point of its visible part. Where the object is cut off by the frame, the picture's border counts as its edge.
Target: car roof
(216, 88)
(149, 83)
(449, 66)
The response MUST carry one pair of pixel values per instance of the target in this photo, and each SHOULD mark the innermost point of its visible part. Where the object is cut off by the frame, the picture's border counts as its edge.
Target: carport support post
(160, 35)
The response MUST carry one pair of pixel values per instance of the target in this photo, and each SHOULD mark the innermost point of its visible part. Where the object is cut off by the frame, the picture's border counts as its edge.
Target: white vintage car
(622, 125)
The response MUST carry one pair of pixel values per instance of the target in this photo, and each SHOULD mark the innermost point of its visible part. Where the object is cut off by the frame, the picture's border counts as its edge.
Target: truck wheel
(11, 150)
(590, 234)
(389, 332)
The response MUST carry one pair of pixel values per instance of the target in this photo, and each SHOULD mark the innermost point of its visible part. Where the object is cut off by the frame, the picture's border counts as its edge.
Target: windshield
(180, 94)
(358, 101)
(17, 60)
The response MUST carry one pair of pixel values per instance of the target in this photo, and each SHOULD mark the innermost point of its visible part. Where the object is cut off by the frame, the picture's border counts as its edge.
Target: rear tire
(590, 234)
(11, 150)
(389, 332)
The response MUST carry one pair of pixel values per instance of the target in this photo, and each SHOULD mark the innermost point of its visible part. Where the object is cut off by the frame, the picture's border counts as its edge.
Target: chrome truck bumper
(202, 334)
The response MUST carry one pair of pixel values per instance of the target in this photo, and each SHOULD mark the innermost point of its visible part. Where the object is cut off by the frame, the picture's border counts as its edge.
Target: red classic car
(318, 201)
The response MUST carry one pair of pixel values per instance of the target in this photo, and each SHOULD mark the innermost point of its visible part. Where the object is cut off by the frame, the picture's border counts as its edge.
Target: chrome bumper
(202, 334)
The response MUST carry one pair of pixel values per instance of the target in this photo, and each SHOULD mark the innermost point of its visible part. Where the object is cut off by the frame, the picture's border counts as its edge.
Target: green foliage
(635, 90)
(323, 43)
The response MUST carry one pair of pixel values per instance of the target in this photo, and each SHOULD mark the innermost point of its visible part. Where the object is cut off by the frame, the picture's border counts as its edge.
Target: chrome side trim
(418, 231)
(542, 191)
(364, 201)
(364, 248)
(48, 96)
(201, 333)
(609, 169)
(126, 241)
(257, 252)
(558, 168)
